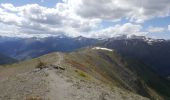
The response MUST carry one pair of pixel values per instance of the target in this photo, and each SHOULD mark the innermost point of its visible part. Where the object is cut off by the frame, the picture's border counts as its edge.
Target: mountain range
(27, 48)
(153, 52)
(122, 68)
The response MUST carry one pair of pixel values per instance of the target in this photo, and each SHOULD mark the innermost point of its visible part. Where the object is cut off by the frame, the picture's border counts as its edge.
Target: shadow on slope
(129, 74)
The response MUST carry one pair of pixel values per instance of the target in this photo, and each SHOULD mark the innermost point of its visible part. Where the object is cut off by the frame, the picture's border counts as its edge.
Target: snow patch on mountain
(101, 48)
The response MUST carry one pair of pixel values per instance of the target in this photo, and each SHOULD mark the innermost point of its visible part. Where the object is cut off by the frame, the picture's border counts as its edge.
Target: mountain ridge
(47, 75)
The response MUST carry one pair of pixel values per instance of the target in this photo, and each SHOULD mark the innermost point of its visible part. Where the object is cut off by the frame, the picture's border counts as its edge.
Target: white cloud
(125, 29)
(169, 27)
(34, 19)
(81, 17)
(156, 29)
(9, 7)
(134, 10)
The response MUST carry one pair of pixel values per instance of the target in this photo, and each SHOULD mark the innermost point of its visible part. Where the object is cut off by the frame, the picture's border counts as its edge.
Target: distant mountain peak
(80, 38)
(120, 37)
(148, 40)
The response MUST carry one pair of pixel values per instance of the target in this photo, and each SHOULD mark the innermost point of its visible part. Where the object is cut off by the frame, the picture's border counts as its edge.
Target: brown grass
(34, 98)
(82, 74)
(41, 65)
(78, 65)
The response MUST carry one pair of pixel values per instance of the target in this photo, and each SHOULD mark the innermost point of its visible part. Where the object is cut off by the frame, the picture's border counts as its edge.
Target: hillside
(153, 52)
(86, 74)
(124, 72)
(6, 60)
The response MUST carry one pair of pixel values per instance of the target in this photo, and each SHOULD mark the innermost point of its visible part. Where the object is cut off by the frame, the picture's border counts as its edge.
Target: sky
(89, 18)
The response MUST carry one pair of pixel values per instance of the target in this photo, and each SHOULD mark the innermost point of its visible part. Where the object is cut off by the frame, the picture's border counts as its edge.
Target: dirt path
(57, 83)
(58, 86)
(60, 59)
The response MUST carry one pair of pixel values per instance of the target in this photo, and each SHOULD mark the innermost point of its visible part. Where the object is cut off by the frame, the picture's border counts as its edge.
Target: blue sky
(96, 18)
(47, 3)
(158, 22)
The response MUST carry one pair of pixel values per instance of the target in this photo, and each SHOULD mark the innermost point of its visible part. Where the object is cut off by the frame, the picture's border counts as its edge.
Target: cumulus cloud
(125, 29)
(36, 19)
(135, 10)
(156, 29)
(81, 17)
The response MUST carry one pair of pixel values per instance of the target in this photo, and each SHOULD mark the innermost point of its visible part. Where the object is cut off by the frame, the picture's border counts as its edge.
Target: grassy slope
(159, 84)
(128, 74)
(27, 65)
